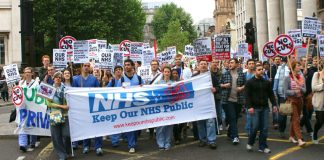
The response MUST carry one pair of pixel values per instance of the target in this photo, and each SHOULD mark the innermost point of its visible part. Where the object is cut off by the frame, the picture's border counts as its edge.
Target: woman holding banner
(60, 132)
(27, 81)
(294, 89)
(164, 133)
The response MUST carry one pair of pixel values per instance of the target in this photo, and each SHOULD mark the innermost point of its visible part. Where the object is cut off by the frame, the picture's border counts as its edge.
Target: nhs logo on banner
(100, 102)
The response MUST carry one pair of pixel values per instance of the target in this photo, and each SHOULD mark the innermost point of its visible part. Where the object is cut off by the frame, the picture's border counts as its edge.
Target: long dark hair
(71, 76)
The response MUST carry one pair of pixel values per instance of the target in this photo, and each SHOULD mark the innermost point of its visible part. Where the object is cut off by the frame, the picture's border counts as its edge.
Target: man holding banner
(88, 80)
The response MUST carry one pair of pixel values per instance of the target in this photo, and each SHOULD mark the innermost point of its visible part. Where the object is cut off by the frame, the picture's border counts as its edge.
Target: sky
(199, 9)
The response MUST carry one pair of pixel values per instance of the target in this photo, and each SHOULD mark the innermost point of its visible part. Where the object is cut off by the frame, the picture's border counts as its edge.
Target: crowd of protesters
(252, 87)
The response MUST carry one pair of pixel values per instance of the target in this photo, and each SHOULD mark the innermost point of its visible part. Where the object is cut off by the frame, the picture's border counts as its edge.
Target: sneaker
(301, 143)
(291, 139)
(132, 150)
(213, 145)
(315, 141)
(202, 144)
(85, 150)
(167, 148)
(37, 144)
(99, 152)
(249, 147)
(275, 126)
(220, 127)
(236, 141)
(266, 150)
(161, 148)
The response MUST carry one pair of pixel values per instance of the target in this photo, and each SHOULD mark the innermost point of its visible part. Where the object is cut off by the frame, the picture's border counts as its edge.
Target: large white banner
(31, 113)
(97, 112)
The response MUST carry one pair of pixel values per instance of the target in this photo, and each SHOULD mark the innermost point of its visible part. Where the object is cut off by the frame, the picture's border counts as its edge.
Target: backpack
(113, 81)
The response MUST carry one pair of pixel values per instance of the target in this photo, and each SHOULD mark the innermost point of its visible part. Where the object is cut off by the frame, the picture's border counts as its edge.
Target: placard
(106, 59)
(67, 43)
(136, 50)
(242, 48)
(321, 45)
(11, 73)
(17, 96)
(222, 47)
(81, 52)
(125, 47)
(148, 56)
(144, 72)
(189, 51)
(268, 50)
(310, 27)
(284, 45)
(203, 47)
(296, 35)
(60, 58)
(118, 58)
(46, 91)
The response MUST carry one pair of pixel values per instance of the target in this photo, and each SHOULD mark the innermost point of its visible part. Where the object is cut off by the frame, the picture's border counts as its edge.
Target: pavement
(147, 149)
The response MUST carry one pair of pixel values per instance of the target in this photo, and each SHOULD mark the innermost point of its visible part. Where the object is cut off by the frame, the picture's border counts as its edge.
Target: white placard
(189, 51)
(296, 35)
(60, 58)
(106, 59)
(136, 49)
(11, 73)
(203, 46)
(144, 72)
(321, 45)
(46, 91)
(118, 58)
(148, 56)
(81, 52)
(242, 48)
(310, 27)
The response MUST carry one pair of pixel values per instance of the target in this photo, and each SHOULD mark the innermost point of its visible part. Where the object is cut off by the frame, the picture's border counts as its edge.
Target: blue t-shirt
(248, 76)
(117, 83)
(91, 81)
(133, 80)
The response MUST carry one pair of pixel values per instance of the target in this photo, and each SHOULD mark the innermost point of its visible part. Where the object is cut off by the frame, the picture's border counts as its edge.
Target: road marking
(121, 152)
(157, 152)
(290, 150)
(270, 139)
(21, 158)
(46, 152)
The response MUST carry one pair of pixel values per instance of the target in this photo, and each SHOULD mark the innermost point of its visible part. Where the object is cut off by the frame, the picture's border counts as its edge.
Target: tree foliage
(174, 37)
(113, 20)
(169, 13)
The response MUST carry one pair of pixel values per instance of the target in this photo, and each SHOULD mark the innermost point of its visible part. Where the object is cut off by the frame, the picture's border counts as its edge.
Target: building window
(321, 5)
(298, 2)
(2, 50)
(299, 24)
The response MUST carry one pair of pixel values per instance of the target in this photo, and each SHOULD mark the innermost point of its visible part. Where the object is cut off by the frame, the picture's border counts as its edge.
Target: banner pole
(308, 41)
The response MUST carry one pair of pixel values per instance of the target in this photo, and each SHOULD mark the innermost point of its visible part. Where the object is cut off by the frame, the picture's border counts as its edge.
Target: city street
(147, 148)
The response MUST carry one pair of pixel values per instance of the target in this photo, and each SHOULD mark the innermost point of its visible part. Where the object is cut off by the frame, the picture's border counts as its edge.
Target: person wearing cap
(60, 132)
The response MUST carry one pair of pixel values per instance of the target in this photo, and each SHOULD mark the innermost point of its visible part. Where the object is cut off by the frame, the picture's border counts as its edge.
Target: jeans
(23, 140)
(248, 124)
(206, 130)
(164, 136)
(115, 139)
(282, 118)
(259, 121)
(177, 130)
(131, 138)
(306, 119)
(97, 140)
(60, 135)
(219, 114)
(232, 110)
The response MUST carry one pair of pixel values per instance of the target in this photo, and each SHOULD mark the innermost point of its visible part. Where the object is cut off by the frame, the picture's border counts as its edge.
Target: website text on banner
(96, 112)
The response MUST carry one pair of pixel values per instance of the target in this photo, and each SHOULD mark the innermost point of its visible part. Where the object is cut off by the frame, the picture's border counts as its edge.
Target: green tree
(169, 13)
(175, 36)
(113, 20)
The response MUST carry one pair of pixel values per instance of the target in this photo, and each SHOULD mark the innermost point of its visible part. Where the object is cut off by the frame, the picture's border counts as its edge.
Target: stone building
(223, 13)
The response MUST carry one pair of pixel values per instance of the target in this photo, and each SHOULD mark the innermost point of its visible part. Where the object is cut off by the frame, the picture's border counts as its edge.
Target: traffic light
(249, 33)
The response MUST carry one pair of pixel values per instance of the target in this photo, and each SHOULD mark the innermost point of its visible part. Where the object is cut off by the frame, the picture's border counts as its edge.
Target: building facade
(10, 38)
(271, 18)
(223, 13)
(320, 12)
